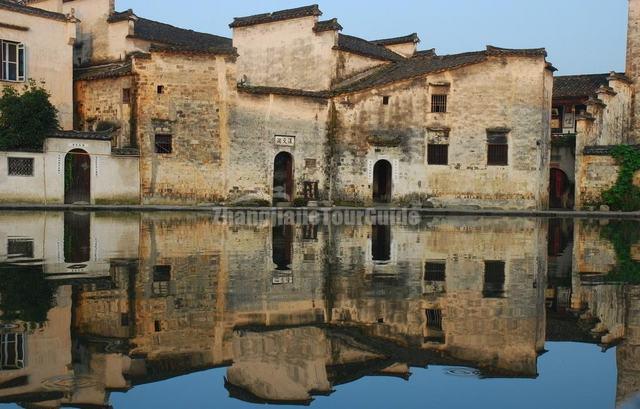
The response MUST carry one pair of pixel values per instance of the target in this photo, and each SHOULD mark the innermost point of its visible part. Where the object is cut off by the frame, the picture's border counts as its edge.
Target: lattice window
(439, 103)
(497, 149)
(161, 281)
(437, 154)
(164, 144)
(20, 166)
(12, 351)
(13, 63)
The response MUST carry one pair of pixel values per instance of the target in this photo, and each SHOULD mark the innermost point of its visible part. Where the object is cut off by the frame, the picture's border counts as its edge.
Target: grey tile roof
(288, 14)
(406, 68)
(258, 90)
(95, 136)
(34, 11)
(602, 150)
(117, 69)
(410, 38)
(366, 48)
(327, 25)
(155, 31)
(578, 86)
(425, 53)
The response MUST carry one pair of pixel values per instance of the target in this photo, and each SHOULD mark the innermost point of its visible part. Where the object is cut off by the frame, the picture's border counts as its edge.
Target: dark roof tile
(169, 35)
(95, 136)
(411, 38)
(327, 25)
(578, 86)
(288, 14)
(258, 90)
(112, 70)
(366, 48)
(19, 8)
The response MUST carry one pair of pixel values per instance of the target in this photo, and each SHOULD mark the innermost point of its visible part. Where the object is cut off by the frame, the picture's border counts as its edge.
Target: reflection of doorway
(282, 247)
(77, 177)
(560, 195)
(283, 178)
(77, 237)
(381, 243)
(382, 182)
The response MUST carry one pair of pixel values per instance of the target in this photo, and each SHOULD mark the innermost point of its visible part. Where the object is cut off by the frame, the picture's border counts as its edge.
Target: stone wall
(193, 107)
(256, 121)
(101, 101)
(507, 92)
(595, 174)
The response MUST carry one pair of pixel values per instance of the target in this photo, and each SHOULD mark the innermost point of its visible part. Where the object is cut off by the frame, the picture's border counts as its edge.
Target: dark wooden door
(77, 177)
(283, 178)
(382, 183)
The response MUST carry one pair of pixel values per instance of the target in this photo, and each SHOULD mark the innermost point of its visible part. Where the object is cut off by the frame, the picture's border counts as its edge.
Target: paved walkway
(422, 212)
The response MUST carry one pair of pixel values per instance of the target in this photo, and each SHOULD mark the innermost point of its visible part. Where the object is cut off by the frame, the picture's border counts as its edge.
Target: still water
(171, 310)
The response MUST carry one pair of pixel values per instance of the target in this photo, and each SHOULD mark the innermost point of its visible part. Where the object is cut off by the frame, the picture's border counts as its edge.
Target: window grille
(498, 149)
(434, 319)
(12, 351)
(494, 278)
(310, 190)
(20, 166)
(437, 154)
(439, 103)
(435, 271)
(164, 144)
(20, 248)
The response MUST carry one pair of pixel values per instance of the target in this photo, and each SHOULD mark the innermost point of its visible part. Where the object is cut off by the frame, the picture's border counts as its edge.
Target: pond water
(200, 310)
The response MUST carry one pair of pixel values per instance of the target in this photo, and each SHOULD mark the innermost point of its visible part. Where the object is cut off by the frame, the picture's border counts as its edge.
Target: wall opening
(283, 178)
(282, 247)
(382, 182)
(561, 191)
(77, 237)
(77, 177)
(381, 243)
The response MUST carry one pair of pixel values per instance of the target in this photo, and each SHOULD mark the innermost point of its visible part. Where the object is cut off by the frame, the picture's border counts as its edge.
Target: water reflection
(97, 303)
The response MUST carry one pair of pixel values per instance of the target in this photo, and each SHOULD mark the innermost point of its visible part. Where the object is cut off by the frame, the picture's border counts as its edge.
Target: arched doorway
(560, 194)
(77, 177)
(283, 178)
(382, 183)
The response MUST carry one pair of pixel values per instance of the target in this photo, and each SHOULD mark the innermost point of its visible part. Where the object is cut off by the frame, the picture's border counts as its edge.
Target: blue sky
(581, 36)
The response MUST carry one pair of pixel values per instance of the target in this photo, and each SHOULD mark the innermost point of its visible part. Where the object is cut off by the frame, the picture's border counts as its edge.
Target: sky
(581, 36)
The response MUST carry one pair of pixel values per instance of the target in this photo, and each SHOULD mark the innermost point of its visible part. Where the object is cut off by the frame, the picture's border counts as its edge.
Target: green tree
(26, 118)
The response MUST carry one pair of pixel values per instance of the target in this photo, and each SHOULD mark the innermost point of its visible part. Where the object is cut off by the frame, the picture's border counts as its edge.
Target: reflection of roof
(578, 86)
(244, 395)
(34, 11)
(288, 14)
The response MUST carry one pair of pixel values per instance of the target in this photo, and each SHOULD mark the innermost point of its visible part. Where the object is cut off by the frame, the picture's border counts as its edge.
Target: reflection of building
(181, 293)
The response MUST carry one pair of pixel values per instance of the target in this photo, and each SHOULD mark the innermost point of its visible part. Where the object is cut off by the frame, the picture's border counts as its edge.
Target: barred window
(20, 166)
(439, 103)
(310, 190)
(497, 149)
(164, 144)
(20, 248)
(437, 154)
(161, 281)
(434, 319)
(13, 63)
(494, 278)
(435, 270)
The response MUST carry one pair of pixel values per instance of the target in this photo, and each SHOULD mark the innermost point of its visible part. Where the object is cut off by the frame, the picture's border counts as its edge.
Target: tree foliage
(26, 118)
(624, 195)
(623, 234)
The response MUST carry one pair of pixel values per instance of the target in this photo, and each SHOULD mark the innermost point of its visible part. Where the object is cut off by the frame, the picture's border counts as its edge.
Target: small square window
(20, 166)
(439, 103)
(435, 271)
(310, 163)
(437, 154)
(161, 273)
(126, 95)
(385, 100)
(160, 89)
(20, 248)
(164, 144)
(498, 155)
(124, 319)
(434, 319)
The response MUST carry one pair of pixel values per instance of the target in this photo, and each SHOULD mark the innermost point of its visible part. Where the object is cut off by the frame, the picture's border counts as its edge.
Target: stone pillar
(633, 64)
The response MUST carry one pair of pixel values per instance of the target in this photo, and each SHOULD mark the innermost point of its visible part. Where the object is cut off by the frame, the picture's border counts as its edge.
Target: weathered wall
(633, 63)
(406, 49)
(350, 64)
(595, 174)
(286, 54)
(102, 101)
(194, 109)
(49, 49)
(114, 179)
(505, 92)
(256, 121)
